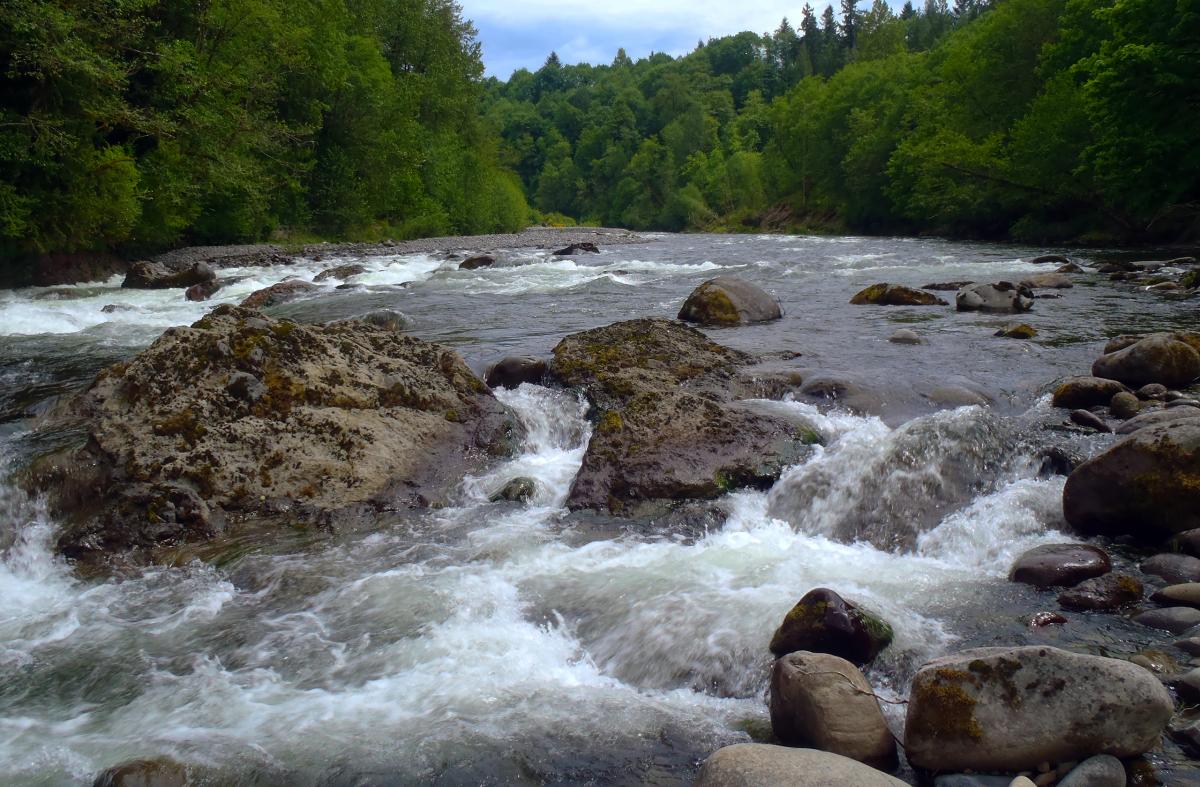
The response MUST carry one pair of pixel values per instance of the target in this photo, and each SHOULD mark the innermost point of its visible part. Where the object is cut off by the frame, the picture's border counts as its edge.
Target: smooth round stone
(1110, 591)
(1173, 619)
(1060, 565)
(1182, 403)
(1188, 686)
(1174, 568)
(1187, 594)
(1189, 645)
(971, 780)
(1172, 396)
(1124, 405)
(1187, 542)
(1022, 781)
(1103, 770)
(766, 765)
(1089, 420)
(1152, 391)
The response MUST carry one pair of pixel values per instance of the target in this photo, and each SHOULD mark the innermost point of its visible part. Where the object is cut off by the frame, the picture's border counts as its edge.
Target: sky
(521, 33)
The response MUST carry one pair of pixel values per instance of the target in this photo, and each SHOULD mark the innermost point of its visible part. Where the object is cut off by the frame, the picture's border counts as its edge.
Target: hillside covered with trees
(142, 124)
(1023, 119)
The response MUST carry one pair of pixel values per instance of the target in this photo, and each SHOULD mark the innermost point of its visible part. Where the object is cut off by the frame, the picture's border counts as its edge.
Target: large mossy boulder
(1010, 709)
(665, 426)
(728, 300)
(824, 702)
(1147, 485)
(885, 294)
(239, 416)
(824, 622)
(765, 765)
(1159, 358)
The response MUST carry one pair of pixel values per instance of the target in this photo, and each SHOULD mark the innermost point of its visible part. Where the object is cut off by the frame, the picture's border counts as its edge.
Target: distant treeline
(1023, 119)
(141, 124)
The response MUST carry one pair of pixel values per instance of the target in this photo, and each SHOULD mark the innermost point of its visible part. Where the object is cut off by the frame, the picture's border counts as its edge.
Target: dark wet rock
(971, 780)
(905, 336)
(113, 308)
(1156, 418)
(946, 286)
(727, 301)
(1103, 770)
(1022, 331)
(159, 772)
(512, 371)
(1159, 358)
(885, 294)
(341, 272)
(824, 622)
(577, 248)
(1146, 485)
(1070, 267)
(1001, 296)
(1187, 686)
(1060, 565)
(1089, 420)
(156, 276)
(666, 428)
(1080, 392)
(202, 291)
(1118, 266)
(764, 382)
(1104, 593)
(182, 439)
(1180, 261)
(1173, 619)
(1174, 568)
(1187, 542)
(765, 765)
(1189, 645)
(1124, 405)
(1055, 460)
(1190, 280)
(1011, 709)
(1050, 258)
(477, 262)
(821, 701)
(1187, 735)
(1048, 281)
(276, 294)
(1186, 594)
(1174, 403)
(957, 396)
(518, 490)
(1043, 619)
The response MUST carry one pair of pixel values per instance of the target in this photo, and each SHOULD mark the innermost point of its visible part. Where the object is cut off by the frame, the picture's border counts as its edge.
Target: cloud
(521, 34)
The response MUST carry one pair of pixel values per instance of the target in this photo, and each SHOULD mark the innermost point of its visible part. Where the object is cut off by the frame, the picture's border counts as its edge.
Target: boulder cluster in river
(244, 419)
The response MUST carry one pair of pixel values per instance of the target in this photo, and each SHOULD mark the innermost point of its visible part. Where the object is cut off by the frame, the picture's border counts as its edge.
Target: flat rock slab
(764, 765)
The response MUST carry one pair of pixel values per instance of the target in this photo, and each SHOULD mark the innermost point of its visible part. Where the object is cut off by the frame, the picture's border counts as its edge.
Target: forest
(138, 125)
(1049, 120)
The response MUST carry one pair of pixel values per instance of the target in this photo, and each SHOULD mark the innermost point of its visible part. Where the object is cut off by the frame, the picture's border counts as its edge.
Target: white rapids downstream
(504, 643)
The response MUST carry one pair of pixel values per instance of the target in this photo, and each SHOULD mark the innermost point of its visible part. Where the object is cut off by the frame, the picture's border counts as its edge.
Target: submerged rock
(1147, 485)
(765, 765)
(518, 490)
(885, 294)
(477, 262)
(341, 272)
(822, 701)
(202, 291)
(159, 772)
(577, 248)
(666, 428)
(1081, 392)
(512, 371)
(1159, 358)
(1010, 709)
(905, 336)
(824, 622)
(156, 276)
(1050, 258)
(1060, 565)
(1001, 296)
(728, 300)
(241, 415)
(1022, 331)
(1103, 593)
(276, 294)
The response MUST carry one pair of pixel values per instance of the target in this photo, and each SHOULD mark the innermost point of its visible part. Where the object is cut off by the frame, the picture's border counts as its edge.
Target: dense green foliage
(137, 124)
(1031, 119)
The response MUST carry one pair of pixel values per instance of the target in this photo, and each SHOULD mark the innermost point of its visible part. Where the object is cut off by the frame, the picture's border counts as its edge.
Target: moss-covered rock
(666, 427)
(1009, 709)
(276, 294)
(727, 301)
(885, 294)
(1102, 594)
(240, 415)
(1147, 485)
(1022, 331)
(824, 622)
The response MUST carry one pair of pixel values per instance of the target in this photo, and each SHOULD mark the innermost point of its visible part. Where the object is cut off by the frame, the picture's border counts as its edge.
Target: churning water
(517, 643)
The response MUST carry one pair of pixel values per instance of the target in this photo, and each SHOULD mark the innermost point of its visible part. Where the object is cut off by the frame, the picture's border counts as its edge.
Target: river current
(500, 643)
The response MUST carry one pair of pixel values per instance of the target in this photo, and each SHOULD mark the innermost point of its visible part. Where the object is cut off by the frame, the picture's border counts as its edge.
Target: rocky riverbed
(747, 510)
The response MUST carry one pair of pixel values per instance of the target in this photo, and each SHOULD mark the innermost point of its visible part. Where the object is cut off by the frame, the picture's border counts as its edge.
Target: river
(492, 643)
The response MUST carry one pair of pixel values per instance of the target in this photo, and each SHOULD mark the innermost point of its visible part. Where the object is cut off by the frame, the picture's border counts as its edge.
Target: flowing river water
(501, 643)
